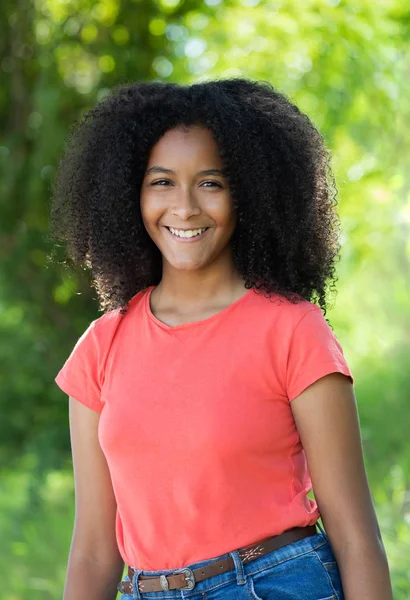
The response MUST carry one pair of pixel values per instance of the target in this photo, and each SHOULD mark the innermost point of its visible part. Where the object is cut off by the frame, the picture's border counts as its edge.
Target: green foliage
(346, 64)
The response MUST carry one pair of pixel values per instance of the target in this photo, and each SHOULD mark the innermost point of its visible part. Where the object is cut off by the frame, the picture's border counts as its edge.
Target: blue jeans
(303, 570)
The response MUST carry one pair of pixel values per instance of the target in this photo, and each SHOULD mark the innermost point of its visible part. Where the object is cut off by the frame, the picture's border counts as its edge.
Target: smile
(192, 238)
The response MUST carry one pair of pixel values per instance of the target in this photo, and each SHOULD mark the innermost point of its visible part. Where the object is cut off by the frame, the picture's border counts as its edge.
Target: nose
(185, 205)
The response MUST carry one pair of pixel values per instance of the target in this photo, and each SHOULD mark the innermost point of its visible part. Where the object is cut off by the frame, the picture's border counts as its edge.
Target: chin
(186, 266)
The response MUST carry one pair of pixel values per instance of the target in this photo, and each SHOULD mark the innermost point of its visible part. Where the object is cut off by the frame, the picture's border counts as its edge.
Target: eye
(160, 181)
(214, 182)
(167, 181)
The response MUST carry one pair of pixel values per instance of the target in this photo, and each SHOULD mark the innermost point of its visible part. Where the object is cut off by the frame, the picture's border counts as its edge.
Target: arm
(326, 417)
(95, 565)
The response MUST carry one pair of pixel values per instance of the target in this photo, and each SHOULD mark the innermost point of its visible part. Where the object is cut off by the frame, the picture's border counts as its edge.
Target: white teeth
(186, 234)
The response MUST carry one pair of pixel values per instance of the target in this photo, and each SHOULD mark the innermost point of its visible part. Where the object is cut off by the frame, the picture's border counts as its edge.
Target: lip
(197, 238)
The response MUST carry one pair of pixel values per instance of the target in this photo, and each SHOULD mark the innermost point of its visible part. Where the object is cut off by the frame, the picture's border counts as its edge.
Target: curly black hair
(278, 171)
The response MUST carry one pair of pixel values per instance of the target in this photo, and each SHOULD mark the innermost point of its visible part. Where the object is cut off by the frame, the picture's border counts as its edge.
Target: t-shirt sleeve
(81, 375)
(313, 353)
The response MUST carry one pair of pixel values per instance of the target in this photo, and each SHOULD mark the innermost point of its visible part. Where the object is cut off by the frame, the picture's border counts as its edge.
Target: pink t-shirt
(196, 423)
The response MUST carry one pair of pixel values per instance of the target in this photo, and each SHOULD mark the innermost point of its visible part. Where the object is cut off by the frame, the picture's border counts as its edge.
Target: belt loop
(321, 529)
(136, 595)
(240, 573)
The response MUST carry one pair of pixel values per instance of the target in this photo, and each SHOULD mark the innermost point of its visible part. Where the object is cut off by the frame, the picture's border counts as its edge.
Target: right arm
(95, 565)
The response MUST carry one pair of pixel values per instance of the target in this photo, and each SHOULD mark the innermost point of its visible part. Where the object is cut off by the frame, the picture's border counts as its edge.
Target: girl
(212, 394)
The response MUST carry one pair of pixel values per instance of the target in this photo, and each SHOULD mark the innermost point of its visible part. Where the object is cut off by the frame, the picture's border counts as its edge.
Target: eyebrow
(159, 169)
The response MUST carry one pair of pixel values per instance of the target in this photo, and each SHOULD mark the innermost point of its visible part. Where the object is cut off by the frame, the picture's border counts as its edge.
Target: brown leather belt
(185, 578)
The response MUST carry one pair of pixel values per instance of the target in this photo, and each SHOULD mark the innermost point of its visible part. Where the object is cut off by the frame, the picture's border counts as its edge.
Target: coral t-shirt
(196, 423)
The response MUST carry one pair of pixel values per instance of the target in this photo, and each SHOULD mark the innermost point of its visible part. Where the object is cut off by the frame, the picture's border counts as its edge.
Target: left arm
(326, 417)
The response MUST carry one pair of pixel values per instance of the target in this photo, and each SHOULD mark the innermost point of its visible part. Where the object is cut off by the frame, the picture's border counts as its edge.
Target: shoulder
(281, 311)
(108, 323)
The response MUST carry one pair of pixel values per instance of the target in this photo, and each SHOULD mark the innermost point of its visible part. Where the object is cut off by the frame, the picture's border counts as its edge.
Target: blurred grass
(36, 524)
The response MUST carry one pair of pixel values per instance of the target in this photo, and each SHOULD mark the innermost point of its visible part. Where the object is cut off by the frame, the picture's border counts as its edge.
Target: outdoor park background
(347, 65)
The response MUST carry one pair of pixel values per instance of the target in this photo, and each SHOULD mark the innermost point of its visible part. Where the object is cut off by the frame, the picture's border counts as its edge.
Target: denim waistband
(238, 574)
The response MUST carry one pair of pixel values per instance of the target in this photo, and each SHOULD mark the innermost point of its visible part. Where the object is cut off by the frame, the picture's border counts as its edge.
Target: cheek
(228, 219)
(221, 210)
(150, 209)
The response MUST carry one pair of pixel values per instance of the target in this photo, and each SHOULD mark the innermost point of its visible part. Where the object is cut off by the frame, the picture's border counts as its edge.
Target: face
(177, 193)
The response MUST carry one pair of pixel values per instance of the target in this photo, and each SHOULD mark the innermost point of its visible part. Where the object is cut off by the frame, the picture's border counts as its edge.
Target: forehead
(190, 146)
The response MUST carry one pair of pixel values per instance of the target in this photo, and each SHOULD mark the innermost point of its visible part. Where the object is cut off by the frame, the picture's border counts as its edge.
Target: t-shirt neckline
(217, 315)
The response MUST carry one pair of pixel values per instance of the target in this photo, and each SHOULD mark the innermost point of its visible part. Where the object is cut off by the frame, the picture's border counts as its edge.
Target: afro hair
(278, 172)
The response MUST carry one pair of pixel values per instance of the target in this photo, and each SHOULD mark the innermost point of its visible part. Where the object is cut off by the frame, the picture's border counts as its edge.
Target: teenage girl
(212, 394)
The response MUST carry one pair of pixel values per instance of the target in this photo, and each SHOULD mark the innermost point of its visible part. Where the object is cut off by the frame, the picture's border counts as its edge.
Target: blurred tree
(346, 64)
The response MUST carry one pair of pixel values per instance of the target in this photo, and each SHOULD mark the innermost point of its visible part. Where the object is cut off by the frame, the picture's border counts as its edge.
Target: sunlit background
(347, 65)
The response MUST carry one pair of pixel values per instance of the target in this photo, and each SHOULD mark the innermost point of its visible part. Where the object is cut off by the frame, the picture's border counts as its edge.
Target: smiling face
(184, 189)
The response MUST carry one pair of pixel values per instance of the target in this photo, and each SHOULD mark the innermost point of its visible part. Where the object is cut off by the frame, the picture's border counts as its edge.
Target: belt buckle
(190, 578)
